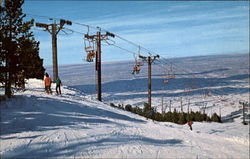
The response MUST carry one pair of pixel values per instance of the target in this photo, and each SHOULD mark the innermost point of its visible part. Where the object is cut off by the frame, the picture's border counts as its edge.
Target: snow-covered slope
(34, 124)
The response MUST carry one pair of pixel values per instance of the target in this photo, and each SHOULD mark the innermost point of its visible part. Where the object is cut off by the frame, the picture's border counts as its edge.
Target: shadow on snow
(49, 114)
(81, 146)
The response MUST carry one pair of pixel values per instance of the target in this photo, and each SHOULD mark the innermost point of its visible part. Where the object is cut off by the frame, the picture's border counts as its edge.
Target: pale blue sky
(169, 28)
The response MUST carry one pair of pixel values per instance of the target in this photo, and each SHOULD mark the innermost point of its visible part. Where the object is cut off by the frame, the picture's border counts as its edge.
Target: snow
(34, 124)
(76, 125)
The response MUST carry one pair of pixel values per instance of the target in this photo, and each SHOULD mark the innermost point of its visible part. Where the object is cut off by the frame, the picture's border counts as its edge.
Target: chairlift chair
(90, 56)
(193, 83)
(89, 47)
(209, 94)
(171, 75)
(137, 66)
(171, 72)
(165, 81)
(193, 87)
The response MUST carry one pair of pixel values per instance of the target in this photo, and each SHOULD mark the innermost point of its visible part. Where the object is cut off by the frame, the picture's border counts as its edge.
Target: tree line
(19, 51)
(175, 116)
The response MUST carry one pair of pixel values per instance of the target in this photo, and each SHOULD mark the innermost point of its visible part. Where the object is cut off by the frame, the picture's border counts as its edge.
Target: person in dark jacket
(58, 85)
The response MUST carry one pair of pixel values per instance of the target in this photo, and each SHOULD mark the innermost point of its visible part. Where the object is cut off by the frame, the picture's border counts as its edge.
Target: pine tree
(19, 50)
(216, 118)
(29, 60)
(8, 30)
(2, 57)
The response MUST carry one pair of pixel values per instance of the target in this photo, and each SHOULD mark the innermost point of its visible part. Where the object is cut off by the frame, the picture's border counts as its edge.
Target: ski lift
(89, 46)
(138, 64)
(209, 94)
(90, 56)
(166, 80)
(168, 76)
(171, 74)
(193, 87)
(136, 69)
(187, 90)
(193, 83)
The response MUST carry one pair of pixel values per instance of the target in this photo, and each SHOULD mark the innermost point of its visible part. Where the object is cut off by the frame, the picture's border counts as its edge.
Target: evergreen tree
(29, 59)
(146, 108)
(2, 57)
(19, 50)
(9, 32)
(128, 107)
(216, 118)
(182, 118)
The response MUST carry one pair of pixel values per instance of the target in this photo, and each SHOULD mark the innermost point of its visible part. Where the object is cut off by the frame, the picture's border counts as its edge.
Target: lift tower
(149, 60)
(54, 29)
(98, 38)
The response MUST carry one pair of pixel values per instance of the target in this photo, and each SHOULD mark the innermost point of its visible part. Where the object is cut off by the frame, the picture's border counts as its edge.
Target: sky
(168, 28)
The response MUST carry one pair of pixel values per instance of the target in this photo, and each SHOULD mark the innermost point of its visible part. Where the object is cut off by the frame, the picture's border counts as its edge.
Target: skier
(58, 85)
(136, 69)
(47, 83)
(190, 123)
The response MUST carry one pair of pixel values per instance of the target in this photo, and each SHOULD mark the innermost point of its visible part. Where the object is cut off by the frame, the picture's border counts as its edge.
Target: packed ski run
(36, 124)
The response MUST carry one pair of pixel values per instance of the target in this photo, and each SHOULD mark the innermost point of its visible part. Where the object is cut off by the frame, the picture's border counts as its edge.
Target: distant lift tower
(149, 60)
(54, 29)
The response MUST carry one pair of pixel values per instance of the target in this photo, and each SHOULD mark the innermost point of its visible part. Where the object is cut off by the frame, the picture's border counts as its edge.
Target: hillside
(34, 124)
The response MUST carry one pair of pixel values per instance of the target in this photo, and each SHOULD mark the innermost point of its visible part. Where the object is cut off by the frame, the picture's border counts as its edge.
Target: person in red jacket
(190, 123)
(47, 83)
